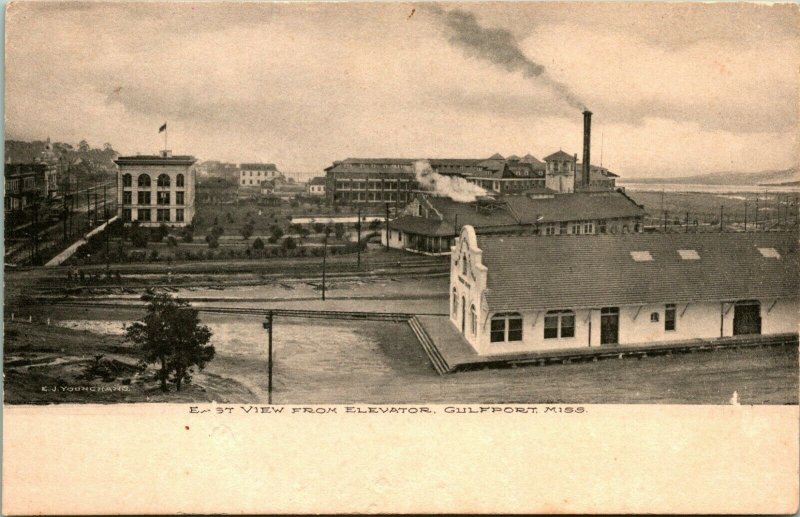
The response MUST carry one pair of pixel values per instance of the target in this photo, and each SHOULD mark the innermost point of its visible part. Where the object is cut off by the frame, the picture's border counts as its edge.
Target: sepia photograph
(401, 203)
(385, 257)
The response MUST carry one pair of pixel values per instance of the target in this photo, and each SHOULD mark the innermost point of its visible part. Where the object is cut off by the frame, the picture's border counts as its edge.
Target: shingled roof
(594, 271)
(577, 206)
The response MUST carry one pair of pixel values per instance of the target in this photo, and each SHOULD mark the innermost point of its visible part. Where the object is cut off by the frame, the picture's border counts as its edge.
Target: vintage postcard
(532, 257)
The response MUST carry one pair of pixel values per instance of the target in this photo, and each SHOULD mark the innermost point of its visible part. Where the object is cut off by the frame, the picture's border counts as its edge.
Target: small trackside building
(528, 293)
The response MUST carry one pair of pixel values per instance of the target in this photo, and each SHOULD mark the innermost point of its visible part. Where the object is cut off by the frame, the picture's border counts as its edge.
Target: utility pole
(756, 223)
(687, 223)
(745, 214)
(108, 230)
(64, 209)
(387, 226)
(358, 233)
(324, 260)
(95, 206)
(88, 208)
(721, 215)
(665, 221)
(268, 326)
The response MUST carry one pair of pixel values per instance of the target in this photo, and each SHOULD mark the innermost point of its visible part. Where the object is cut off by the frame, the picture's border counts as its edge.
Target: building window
(127, 198)
(162, 215)
(669, 317)
(179, 198)
(576, 228)
(588, 227)
(550, 229)
(559, 324)
(602, 226)
(179, 180)
(464, 265)
(163, 198)
(473, 320)
(127, 180)
(455, 302)
(654, 317)
(179, 215)
(163, 180)
(143, 198)
(126, 214)
(562, 229)
(506, 327)
(143, 181)
(143, 214)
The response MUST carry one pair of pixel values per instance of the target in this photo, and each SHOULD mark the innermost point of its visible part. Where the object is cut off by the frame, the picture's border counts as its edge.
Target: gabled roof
(319, 180)
(576, 206)
(594, 271)
(560, 156)
(496, 156)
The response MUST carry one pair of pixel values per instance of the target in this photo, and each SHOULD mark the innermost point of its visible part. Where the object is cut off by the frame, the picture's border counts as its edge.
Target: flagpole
(165, 136)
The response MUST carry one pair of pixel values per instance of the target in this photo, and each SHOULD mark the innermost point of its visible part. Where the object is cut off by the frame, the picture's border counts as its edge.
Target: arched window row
(127, 180)
(163, 180)
(144, 180)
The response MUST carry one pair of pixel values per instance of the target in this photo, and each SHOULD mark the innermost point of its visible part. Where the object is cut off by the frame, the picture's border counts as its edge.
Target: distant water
(713, 189)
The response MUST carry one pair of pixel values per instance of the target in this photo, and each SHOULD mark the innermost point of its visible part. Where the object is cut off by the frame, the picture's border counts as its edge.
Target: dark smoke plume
(498, 46)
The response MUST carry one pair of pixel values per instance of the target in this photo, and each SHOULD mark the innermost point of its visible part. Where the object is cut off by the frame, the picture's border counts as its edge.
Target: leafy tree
(373, 225)
(213, 242)
(83, 146)
(139, 235)
(318, 227)
(247, 230)
(188, 234)
(338, 229)
(304, 233)
(276, 231)
(172, 241)
(258, 244)
(217, 231)
(289, 243)
(171, 335)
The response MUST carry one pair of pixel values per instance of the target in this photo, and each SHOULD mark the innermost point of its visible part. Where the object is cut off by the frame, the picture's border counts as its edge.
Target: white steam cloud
(454, 187)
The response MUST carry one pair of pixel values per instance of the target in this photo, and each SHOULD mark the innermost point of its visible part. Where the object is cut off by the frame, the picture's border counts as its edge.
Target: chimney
(587, 144)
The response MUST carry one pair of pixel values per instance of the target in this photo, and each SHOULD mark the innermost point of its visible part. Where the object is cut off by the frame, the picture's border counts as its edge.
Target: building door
(463, 316)
(747, 318)
(609, 325)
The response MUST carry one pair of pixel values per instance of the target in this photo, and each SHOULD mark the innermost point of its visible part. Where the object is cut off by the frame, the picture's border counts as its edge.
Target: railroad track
(249, 311)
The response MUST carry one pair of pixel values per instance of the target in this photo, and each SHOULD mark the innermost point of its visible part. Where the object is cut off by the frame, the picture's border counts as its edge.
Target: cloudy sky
(675, 89)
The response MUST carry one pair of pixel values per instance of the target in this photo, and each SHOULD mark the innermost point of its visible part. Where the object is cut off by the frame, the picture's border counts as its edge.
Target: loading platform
(449, 351)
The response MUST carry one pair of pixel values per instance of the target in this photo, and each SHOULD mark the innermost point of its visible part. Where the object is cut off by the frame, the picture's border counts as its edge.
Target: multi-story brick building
(254, 174)
(156, 189)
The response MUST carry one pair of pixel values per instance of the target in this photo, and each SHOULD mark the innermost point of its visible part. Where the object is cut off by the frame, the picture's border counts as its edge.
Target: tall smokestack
(587, 144)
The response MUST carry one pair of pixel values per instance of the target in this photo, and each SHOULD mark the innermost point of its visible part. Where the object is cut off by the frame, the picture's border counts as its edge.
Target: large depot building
(156, 189)
(527, 293)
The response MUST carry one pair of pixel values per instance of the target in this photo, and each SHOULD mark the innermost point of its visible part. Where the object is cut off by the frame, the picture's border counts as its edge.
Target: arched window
(455, 302)
(127, 180)
(506, 327)
(144, 180)
(464, 266)
(179, 180)
(473, 320)
(163, 180)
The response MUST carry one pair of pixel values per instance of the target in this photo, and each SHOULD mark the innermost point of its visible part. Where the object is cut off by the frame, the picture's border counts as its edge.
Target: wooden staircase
(439, 363)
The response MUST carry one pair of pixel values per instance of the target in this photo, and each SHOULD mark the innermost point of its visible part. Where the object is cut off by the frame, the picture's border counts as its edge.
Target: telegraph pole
(268, 327)
(745, 214)
(687, 223)
(665, 221)
(324, 257)
(88, 208)
(721, 215)
(756, 223)
(387, 226)
(358, 230)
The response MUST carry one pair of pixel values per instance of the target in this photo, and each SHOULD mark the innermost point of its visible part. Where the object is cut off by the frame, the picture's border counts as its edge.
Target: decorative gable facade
(517, 294)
